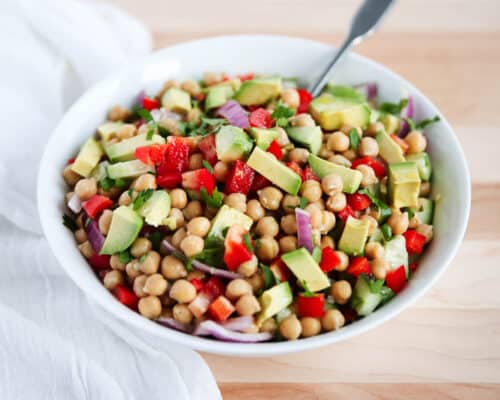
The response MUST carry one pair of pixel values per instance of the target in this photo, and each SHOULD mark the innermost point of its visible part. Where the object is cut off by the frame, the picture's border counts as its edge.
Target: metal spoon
(363, 24)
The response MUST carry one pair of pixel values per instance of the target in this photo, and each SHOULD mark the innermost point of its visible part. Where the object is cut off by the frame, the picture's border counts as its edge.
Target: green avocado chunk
(305, 268)
(226, 217)
(128, 169)
(389, 149)
(390, 122)
(124, 229)
(124, 150)
(156, 208)
(423, 164)
(176, 100)
(88, 158)
(404, 184)
(273, 300)
(217, 96)
(263, 137)
(232, 143)
(258, 91)
(354, 236)
(107, 129)
(309, 136)
(351, 178)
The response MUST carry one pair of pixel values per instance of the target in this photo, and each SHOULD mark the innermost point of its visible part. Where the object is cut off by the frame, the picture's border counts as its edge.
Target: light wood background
(447, 346)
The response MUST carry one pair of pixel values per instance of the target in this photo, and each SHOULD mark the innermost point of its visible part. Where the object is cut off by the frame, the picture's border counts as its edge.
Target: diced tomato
(414, 241)
(359, 265)
(413, 266)
(151, 155)
(396, 279)
(149, 103)
(176, 156)
(246, 77)
(358, 201)
(275, 149)
(295, 167)
(259, 182)
(210, 291)
(169, 180)
(235, 250)
(99, 262)
(311, 306)
(240, 178)
(305, 98)
(345, 213)
(197, 283)
(260, 118)
(71, 160)
(213, 288)
(308, 174)
(401, 143)
(207, 148)
(252, 108)
(200, 96)
(329, 259)
(197, 179)
(350, 314)
(96, 204)
(221, 308)
(377, 166)
(126, 297)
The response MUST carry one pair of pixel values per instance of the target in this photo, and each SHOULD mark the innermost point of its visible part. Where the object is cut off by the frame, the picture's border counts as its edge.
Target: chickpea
(374, 250)
(338, 141)
(311, 190)
(373, 128)
(155, 284)
(86, 188)
(414, 222)
(416, 142)
(86, 249)
(270, 197)
(372, 223)
(140, 247)
(192, 245)
(325, 153)
(194, 115)
(210, 212)
(302, 120)
(255, 210)
(196, 274)
(237, 201)
(267, 249)
(337, 202)
(332, 184)
(344, 261)
(340, 160)
(105, 221)
(368, 147)
(112, 279)
(247, 305)
(178, 198)
(368, 177)
(116, 263)
(221, 169)
(126, 131)
(289, 203)
(425, 189)
(327, 222)
(267, 226)
(183, 291)
(150, 262)
(80, 236)
(195, 161)
(332, 320)
(269, 325)
(398, 222)
(192, 210)
(256, 281)
(350, 154)
(124, 199)
(132, 269)
(290, 328)
(167, 85)
(310, 326)
(315, 214)
(426, 230)
(181, 313)
(178, 217)
(288, 243)
(288, 224)
(192, 87)
(138, 285)
(79, 221)
(177, 237)
(248, 268)
(118, 113)
(379, 267)
(70, 176)
(298, 155)
(290, 97)
(327, 241)
(213, 78)
(341, 291)
(237, 288)
(150, 307)
(198, 226)
(170, 125)
(173, 268)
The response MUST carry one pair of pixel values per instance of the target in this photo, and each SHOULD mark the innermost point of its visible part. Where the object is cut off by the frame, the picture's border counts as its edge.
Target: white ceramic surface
(237, 55)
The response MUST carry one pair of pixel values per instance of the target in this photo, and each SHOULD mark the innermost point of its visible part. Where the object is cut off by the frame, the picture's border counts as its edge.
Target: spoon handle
(363, 24)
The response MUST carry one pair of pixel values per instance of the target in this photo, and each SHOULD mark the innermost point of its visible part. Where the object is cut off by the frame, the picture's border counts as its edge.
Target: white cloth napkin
(54, 342)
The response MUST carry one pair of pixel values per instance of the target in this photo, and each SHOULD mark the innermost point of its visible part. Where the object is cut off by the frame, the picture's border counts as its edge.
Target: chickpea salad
(243, 209)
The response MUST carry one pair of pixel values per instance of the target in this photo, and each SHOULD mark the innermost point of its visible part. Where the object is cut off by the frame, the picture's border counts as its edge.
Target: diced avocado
(271, 168)
(107, 129)
(426, 210)
(389, 150)
(273, 300)
(395, 253)
(351, 178)
(404, 184)
(374, 115)
(258, 91)
(263, 137)
(363, 300)
(310, 136)
(305, 268)
(88, 157)
(176, 100)
(156, 208)
(124, 229)
(100, 172)
(390, 122)
(344, 92)
(354, 236)
(332, 112)
(124, 150)
(226, 217)
(232, 143)
(128, 169)
(217, 96)
(423, 164)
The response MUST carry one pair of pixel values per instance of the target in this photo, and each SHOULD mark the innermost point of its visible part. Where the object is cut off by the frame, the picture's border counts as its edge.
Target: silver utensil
(363, 24)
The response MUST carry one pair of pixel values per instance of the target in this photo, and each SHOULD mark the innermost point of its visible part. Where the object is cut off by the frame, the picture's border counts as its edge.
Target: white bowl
(237, 55)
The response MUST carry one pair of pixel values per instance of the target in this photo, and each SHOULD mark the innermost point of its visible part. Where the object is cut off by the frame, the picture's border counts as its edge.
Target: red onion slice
(304, 229)
(173, 324)
(235, 114)
(211, 328)
(74, 203)
(94, 235)
(238, 324)
(160, 113)
(406, 112)
(368, 89)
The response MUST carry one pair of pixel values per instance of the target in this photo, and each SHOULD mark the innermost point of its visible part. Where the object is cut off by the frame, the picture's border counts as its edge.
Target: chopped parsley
(189, 264)
(303, 202)
(125, 257)
(386, 232)
(375, 285)
(214, 200)
(269, 278)
(393, 108)
(354, 138)
(107, 183)
(385, 210)
(145, 115)
(307, 292)
(208, 167)
(247, 239)
(281, 114)
(208, 125)
(69, 223)
(156, 238)
(422, 124)
(143, 257)
(142, 197)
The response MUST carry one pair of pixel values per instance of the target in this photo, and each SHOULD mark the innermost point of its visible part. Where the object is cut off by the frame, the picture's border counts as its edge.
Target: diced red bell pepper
(197, 283)
(413, 266)
(197, 179)
(96, 204)
(212, 289)
(200, 96)
(359, 265)
(176, 156)
(414, 241)
(295, 167)
(221, 308)
(308, 174)
(126, 296)
(240, 178)
(305, 98)
(401, 143)
(260, 118)
(377, 166)
(345, 213)
(207, 148)
(235, 250)
(358, 201)
(169, 180)
(246, 77)
(149, 103)
(275, 149)
(396, 279)
(99, 262)
(71, 160)
(151, 155)
(311, 306)
(259, 182)
(329, 259)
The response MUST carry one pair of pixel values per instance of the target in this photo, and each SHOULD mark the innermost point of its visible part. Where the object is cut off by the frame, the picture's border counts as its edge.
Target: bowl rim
(244, 349)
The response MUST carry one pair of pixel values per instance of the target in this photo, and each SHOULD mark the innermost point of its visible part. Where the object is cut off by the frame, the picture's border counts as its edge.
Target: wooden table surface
(448, 344)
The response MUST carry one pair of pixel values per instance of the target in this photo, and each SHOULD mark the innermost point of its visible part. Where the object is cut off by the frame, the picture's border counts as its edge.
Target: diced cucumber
(423, 164)
(396, 254)
(426, 210)
(363, 300)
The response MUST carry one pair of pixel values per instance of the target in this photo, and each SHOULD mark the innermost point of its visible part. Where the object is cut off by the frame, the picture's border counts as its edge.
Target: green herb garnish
(145, 115)
(281, 114)
(385, 210)
(156, 238)
(69, 223)
(306, 292)
(269, 277)
(142, 197)
(393, 108)
(124, 257)
(189, 264)
(208, 167)
(247, 239)
(214, 200)
(375, 285)
(303, 202)
(354, 138)
(410, 211)
(428, 121)
(386, 293)
(106, 183)
(316, 254)
(386, 232)
(143, 257)
(150, 133)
